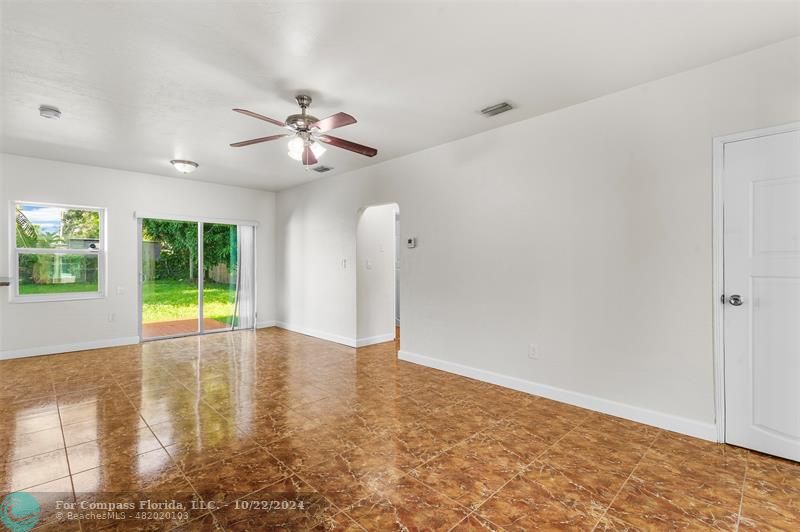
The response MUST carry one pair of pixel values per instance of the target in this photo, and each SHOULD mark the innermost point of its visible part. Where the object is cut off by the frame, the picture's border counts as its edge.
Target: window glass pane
(57, 274)
(220, 263)
(170, 304)
(53, 227)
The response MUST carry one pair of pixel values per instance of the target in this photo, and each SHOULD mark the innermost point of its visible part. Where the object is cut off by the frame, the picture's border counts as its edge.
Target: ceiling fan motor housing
(303, 120)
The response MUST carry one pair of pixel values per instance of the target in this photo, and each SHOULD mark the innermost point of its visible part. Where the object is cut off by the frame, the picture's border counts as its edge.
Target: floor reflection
(367, 440)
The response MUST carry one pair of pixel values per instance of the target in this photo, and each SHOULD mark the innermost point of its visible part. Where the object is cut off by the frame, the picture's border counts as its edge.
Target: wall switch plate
(411, 243)
(533, 352)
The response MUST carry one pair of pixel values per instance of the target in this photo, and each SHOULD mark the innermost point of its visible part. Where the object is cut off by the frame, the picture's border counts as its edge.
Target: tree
(76, 223)
(219, 246)
(27, 233)
(30, 235)
(179, 246)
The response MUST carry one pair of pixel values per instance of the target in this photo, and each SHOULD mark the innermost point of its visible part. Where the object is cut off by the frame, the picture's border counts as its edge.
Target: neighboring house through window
(59, 252)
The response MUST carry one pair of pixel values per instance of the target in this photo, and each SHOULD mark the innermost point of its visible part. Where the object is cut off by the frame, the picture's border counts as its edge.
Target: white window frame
(15, 252)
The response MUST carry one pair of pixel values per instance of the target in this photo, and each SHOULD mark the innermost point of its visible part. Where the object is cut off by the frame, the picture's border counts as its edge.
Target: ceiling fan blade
(256, 141)
(308, 156)
(347, 145)
(261, 117)
(334, 121)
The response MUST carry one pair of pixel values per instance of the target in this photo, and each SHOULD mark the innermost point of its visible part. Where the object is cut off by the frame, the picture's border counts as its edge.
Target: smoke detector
(322, 168)
(48, 111)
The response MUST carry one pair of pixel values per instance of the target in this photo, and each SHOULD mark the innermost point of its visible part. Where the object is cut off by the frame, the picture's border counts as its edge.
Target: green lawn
(163, 300)
(66, 288)
(167, 300)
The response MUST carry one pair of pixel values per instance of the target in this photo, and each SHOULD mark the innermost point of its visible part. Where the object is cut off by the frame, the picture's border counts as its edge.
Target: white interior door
(761, 187)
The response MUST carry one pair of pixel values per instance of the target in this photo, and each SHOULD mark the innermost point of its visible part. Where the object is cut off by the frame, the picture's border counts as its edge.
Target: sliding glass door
(169, 277)
(191, 278)
(220, 265)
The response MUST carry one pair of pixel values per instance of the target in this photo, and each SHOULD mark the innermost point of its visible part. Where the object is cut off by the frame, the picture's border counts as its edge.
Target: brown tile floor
(357, 439)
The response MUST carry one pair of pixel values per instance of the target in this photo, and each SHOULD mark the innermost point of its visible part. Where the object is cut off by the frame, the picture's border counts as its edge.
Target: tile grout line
(404, 473)
(180, 468)
(611, 502)
(522, 470)
(258, 445)
(163, 447)
(459, 442)
(741, 498)
(297, 474)
(66, 454)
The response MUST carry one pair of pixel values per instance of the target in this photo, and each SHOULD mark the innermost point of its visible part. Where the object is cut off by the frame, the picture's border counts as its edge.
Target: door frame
(718, 258)
(357, 341)
(200, 221)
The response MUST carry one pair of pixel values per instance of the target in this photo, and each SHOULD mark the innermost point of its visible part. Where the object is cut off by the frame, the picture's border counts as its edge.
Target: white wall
(397, 244)
(4, 270)
(586, 231)
(28, 328)
(375, 286)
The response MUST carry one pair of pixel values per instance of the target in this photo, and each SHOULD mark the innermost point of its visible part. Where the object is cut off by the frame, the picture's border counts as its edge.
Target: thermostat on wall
(412, 243)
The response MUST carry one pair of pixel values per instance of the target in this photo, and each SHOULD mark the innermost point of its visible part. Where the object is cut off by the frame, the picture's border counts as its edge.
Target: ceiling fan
(308, 133)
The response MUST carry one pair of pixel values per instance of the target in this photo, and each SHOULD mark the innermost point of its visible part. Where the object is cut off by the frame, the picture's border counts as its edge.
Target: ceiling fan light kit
(297, 146)
(306, 144)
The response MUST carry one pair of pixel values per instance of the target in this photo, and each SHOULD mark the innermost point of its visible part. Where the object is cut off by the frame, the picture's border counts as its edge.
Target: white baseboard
(350, 342)
(67, 348)
(265, 324)
(690, 427)
(371, 340)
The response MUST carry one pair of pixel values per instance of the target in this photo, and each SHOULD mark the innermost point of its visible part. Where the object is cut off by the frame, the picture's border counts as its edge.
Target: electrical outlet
(533, 352)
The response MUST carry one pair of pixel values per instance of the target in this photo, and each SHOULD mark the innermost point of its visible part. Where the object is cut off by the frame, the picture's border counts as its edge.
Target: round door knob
(735, 300)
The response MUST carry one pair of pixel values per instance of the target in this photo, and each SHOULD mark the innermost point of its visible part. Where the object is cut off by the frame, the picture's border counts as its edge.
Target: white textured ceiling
(141, 82)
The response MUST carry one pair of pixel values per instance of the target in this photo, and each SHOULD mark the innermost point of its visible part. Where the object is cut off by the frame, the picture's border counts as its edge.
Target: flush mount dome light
(183, 166)
(48, 111)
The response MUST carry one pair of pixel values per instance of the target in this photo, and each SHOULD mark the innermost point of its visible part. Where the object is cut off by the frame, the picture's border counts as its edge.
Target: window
(59, 252)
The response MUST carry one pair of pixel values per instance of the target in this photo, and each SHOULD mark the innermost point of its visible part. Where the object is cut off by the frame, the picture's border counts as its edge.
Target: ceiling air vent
(496, 109)
(322, 168)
